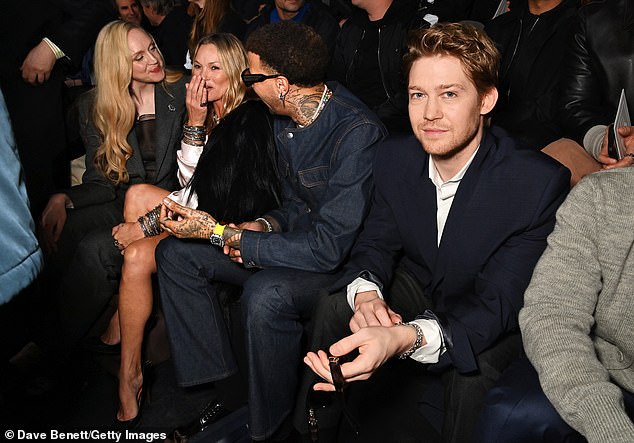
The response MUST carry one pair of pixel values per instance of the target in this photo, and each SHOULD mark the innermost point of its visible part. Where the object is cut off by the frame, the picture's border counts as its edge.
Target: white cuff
(187, 158)
(182, 197)
(360, 285)
(58, 53)
(434, 346)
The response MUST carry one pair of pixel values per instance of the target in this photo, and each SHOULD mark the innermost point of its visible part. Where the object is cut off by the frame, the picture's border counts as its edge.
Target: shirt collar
(434, 175)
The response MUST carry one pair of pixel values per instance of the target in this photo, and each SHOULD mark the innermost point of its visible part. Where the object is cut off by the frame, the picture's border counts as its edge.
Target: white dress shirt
(187, 158)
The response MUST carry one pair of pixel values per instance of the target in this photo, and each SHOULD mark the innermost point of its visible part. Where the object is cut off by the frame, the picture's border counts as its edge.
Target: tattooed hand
(184, 222)
(232, 236)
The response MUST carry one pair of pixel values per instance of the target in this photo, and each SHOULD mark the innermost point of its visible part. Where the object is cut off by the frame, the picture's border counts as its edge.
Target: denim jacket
(326, 174)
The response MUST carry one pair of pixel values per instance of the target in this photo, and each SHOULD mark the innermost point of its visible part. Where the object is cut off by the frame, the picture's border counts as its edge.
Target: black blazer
(495, 232)
(72, 25)
(598, 66)
(529, 78)
(170, 112)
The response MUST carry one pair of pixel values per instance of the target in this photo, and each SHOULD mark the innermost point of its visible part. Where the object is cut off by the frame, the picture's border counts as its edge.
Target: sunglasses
(250, 79)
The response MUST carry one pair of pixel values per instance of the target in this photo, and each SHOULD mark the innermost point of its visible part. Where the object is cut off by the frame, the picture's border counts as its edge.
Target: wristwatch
(216, 235)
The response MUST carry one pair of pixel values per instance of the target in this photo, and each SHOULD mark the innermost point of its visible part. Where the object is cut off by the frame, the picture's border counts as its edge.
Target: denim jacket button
(289, 135)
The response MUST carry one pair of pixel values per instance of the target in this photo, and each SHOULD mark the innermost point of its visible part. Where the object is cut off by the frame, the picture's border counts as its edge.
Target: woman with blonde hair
(114, 121)
(235, 178)
(131, 125)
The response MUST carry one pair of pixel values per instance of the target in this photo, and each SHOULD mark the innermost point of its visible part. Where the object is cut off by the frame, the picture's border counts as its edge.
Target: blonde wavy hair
(233, 59)
(114, 111)
(206, 20)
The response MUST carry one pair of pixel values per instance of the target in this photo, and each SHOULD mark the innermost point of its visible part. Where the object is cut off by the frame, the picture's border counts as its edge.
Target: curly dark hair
(292, 49)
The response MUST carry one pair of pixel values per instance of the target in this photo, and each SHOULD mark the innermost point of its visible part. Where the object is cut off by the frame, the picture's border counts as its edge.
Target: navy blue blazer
(495, 232)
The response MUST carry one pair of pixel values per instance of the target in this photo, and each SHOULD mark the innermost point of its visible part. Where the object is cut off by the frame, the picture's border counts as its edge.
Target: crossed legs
(127, 325)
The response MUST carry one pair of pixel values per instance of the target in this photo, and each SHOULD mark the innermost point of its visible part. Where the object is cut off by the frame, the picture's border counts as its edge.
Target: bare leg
(112, 336)
(139, 199)
(135, 306)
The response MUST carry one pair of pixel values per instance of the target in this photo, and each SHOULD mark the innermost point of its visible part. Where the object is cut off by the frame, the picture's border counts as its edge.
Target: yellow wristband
(219, 229)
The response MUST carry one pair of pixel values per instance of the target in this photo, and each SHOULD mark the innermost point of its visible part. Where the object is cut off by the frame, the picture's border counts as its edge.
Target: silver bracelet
(150, 222)
(417, 344)
(267, 224)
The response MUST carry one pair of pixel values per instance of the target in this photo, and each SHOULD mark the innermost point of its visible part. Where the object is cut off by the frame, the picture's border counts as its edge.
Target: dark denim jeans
(275, 303)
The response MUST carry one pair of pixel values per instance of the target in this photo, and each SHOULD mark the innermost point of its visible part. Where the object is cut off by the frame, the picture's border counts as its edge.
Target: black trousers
(406, 400)
(83, 274)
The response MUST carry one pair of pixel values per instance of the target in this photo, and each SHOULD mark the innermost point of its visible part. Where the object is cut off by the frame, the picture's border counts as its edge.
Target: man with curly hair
(326, 140)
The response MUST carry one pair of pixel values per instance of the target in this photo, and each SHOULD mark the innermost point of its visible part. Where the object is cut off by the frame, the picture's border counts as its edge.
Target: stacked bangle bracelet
(150, 222)
(194, 135)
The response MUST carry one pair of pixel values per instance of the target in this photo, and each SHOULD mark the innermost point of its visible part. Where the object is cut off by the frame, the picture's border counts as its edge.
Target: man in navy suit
(458, 220)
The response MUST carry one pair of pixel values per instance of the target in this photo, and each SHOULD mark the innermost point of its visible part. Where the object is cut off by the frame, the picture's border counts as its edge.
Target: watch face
(216, 240)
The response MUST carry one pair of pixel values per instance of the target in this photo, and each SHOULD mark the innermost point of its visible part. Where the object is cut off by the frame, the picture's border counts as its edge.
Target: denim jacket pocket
(314, 177)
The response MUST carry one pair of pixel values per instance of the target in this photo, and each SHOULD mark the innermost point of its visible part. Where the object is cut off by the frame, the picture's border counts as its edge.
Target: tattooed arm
(184, 222)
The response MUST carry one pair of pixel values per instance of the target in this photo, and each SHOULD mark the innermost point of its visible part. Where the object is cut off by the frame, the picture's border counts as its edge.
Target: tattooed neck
(306, 102)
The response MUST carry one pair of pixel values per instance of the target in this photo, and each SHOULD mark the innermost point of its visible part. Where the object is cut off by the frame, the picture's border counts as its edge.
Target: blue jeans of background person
(516, 410)
(275, 304)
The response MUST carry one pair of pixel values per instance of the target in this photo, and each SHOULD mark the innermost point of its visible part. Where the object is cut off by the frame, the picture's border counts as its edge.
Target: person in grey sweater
(577, 326)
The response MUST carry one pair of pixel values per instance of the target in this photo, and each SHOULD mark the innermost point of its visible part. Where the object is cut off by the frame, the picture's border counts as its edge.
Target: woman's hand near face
(196, 101)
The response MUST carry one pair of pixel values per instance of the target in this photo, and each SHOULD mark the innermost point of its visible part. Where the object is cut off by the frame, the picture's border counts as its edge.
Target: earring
(281, 97)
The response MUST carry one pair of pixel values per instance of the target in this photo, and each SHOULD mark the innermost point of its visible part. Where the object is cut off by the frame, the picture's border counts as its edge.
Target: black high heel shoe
(142, 395)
